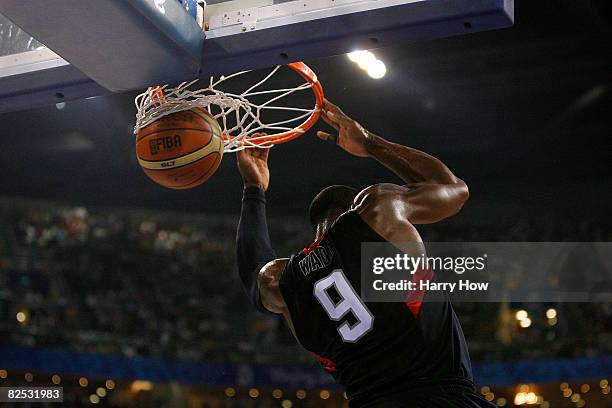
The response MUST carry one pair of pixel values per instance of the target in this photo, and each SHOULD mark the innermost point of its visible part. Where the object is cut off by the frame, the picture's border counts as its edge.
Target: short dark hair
(331, 200)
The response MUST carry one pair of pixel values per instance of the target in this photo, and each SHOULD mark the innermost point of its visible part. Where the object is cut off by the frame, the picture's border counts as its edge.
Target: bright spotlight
(21, 317)
(521, 315)
(353, 56)
(376, 69)
(526, 322)
(360, 55)
(362, 58)
(520, 398)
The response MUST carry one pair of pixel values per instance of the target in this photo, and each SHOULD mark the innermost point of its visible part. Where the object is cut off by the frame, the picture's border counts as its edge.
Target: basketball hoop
(239, 116)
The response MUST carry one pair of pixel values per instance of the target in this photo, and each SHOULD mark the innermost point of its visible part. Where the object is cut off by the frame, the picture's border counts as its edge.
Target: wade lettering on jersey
(318, 258)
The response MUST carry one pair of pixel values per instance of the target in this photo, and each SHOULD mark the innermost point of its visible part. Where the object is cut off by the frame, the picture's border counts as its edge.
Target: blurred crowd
(148, 283)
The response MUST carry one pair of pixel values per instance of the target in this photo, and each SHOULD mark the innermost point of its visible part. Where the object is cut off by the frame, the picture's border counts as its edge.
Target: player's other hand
(351, 136)
(253, 167)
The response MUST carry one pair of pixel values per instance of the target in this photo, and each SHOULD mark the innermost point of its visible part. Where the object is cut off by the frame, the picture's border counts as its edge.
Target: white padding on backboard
(277, 10)
(226, 15)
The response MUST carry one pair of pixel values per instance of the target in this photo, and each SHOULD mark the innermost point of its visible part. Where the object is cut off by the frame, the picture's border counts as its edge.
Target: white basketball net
(238, 117)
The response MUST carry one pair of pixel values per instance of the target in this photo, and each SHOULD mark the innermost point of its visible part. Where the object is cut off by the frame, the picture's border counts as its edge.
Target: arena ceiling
(522, 114)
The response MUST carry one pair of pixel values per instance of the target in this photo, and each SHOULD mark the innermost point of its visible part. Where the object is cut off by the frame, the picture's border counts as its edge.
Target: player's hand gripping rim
(351, 136)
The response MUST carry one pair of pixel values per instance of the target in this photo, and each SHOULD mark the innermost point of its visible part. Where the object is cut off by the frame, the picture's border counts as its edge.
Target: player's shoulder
(383, 208)
(375, 195)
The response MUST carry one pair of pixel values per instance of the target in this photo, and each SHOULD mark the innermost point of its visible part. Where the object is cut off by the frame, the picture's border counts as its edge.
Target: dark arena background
(126, 294)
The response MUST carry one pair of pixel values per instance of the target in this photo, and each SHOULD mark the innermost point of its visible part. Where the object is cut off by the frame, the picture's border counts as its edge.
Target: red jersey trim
(414, 299)
(327, 364)
(312, 246)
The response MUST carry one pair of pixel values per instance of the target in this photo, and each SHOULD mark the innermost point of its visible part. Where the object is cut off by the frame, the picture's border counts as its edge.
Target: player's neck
(323, 226)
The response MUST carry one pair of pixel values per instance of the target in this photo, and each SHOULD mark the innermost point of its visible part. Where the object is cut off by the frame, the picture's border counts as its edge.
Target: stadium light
(521, 315)
(140, 385)
(531, 398)
(21, 317)
(519, 398)
(361, 57)
(367, 61)
(376, 69)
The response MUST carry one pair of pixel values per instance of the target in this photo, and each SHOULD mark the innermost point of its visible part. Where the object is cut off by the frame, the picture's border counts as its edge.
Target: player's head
(330, 203)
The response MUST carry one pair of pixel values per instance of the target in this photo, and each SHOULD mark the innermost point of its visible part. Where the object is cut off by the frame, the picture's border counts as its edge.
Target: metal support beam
(38, 78)
(120, 44)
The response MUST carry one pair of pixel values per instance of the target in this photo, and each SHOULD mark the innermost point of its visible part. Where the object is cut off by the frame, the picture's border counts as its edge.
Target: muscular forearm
(411, 165)
(253, 246)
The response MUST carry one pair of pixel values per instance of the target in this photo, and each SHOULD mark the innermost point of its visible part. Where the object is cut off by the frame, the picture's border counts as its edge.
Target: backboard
(94, 47)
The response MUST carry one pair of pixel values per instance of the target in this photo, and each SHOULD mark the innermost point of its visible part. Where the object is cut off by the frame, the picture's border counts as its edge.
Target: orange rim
(308, 74)
(159, 94)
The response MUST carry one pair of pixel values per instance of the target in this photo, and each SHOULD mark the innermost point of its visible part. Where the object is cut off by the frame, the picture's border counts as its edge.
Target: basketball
(181, 150)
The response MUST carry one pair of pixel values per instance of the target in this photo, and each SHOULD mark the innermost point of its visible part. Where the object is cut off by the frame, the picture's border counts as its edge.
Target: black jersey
(372, 349)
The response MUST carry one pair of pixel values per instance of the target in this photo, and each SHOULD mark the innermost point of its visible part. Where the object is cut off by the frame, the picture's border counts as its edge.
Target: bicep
(429, 203)
(420, 203)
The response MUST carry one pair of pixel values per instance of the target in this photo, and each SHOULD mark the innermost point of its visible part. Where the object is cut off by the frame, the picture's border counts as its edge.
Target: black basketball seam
(139, 138)
(202, 176)
(183, 165)
(174, 158)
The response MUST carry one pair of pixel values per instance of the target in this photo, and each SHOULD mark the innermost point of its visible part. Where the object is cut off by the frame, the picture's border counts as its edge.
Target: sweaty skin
(431, 192)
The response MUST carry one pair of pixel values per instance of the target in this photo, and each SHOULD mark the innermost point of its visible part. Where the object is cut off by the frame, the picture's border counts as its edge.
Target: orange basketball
(181, 150)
